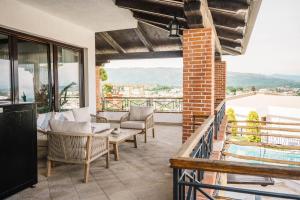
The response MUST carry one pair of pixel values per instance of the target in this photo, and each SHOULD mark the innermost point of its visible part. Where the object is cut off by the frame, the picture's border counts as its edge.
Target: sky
(274, 46)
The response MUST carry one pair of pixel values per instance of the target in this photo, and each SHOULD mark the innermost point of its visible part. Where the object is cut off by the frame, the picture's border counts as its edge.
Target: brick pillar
(220, 81)
(198, 76)
(98, 89)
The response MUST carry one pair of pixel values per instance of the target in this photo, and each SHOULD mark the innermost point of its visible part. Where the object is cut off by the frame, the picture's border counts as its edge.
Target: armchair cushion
(139, 113)
(133, 124)
(99, 127)
(68, 115)
(70, 127)
(82, 114)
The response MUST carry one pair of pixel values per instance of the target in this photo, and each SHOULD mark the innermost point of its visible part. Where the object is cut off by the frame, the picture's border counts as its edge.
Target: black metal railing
(202, 149)
(194, 160)
(160, 104)
(219, 115)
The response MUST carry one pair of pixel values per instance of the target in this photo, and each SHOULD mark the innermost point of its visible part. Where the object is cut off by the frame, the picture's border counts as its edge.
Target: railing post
(103, 103)
(175, 184)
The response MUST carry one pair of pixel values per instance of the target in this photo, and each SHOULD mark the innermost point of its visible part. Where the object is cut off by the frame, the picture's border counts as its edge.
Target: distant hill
(236, 79)
(173, 77)
(159, 76)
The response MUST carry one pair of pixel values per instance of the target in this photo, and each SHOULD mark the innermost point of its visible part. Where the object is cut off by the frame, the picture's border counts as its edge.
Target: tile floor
(141, 173)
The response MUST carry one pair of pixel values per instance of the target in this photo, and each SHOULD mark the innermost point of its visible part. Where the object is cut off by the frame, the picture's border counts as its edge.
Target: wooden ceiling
(232, 22)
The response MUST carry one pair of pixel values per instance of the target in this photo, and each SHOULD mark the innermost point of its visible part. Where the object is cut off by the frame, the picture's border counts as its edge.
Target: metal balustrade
(219, 115)
(193, 160)
(160, 104)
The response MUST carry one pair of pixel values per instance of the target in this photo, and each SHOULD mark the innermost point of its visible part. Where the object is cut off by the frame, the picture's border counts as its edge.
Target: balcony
(141, 173)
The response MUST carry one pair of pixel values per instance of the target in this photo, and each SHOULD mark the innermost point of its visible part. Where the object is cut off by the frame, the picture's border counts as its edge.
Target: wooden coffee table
(126, 135)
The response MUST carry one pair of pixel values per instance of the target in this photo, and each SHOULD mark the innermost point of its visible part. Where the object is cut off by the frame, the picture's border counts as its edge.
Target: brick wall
(220, 81)
(98, 89)
(198, 76)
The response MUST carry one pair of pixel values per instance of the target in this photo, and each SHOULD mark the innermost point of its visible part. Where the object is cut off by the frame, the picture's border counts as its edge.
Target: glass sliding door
(5, 69)
(33, 74)
(68, 78)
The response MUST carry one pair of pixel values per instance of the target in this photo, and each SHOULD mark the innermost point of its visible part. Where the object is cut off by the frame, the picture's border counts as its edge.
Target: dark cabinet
(18, 141)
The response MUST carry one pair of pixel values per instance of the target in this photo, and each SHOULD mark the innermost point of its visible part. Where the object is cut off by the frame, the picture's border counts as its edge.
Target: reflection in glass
(33, 74)
(68, 78)
(5, 86)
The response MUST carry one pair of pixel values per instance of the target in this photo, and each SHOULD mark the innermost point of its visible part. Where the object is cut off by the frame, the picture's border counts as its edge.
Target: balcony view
(149, 99)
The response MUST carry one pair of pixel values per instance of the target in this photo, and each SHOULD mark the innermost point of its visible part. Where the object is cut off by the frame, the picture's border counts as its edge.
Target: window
(33, 72)
(68, 78)
(46, 72)
(5, 82)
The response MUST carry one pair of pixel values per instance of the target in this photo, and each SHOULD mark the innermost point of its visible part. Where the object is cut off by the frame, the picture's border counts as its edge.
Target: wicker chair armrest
(149, 121)
(100, 146)
(99, 119)
(70, 134)
(42, 131)
(125, 117)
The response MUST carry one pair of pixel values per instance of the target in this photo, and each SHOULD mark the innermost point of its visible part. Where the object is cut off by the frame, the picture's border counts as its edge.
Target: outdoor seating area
(77, 137)
(142, 173)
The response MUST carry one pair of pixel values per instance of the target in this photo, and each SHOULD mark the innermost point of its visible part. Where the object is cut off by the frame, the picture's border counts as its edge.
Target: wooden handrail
(218, 108)
(266, 122)
(193, 140)
(143, 98)
(236, 167)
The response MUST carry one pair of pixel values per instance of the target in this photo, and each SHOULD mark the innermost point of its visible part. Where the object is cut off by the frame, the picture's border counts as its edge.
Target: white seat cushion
(99, 127)
(133, 124)
(82, 114)
(68, 115)
(70, 127)
(43, 121)
(139, 113)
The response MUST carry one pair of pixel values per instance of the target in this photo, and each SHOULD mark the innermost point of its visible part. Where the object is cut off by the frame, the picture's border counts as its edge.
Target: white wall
(21, 17)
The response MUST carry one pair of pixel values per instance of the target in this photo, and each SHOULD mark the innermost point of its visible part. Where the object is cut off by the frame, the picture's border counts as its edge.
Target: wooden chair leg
(153, 132)
(48, 168)
(145, 132)
(86, 172)
(107, 159)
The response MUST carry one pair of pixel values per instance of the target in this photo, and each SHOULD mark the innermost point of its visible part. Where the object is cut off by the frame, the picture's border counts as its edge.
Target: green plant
(231, 116)
(253, 126)
(64, 94)
(107, 88)
(24, 97)
(103, 74)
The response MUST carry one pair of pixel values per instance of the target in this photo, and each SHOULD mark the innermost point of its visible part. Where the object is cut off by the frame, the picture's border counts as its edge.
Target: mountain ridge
(173, 77)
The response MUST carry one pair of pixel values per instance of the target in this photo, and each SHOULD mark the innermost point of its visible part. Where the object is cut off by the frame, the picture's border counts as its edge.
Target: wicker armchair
(146, 125)
(76, 149)
(98, 119)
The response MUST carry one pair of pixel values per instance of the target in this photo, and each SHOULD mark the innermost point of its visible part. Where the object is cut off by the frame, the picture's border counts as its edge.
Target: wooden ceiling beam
(233, 35)
(223, 20)
(233, 6)
(152, 7)
(139, 55)
(159, 19)
(225, 42)
(112, 42)
(143, 37)
(230, 50)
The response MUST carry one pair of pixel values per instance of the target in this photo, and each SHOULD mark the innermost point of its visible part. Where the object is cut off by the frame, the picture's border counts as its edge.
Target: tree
(107, 88)
(252, 117)
(103, 74)
(231, 116)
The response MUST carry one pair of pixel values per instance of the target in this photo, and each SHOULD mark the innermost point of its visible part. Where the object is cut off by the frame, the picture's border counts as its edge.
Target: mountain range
(173, 77)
